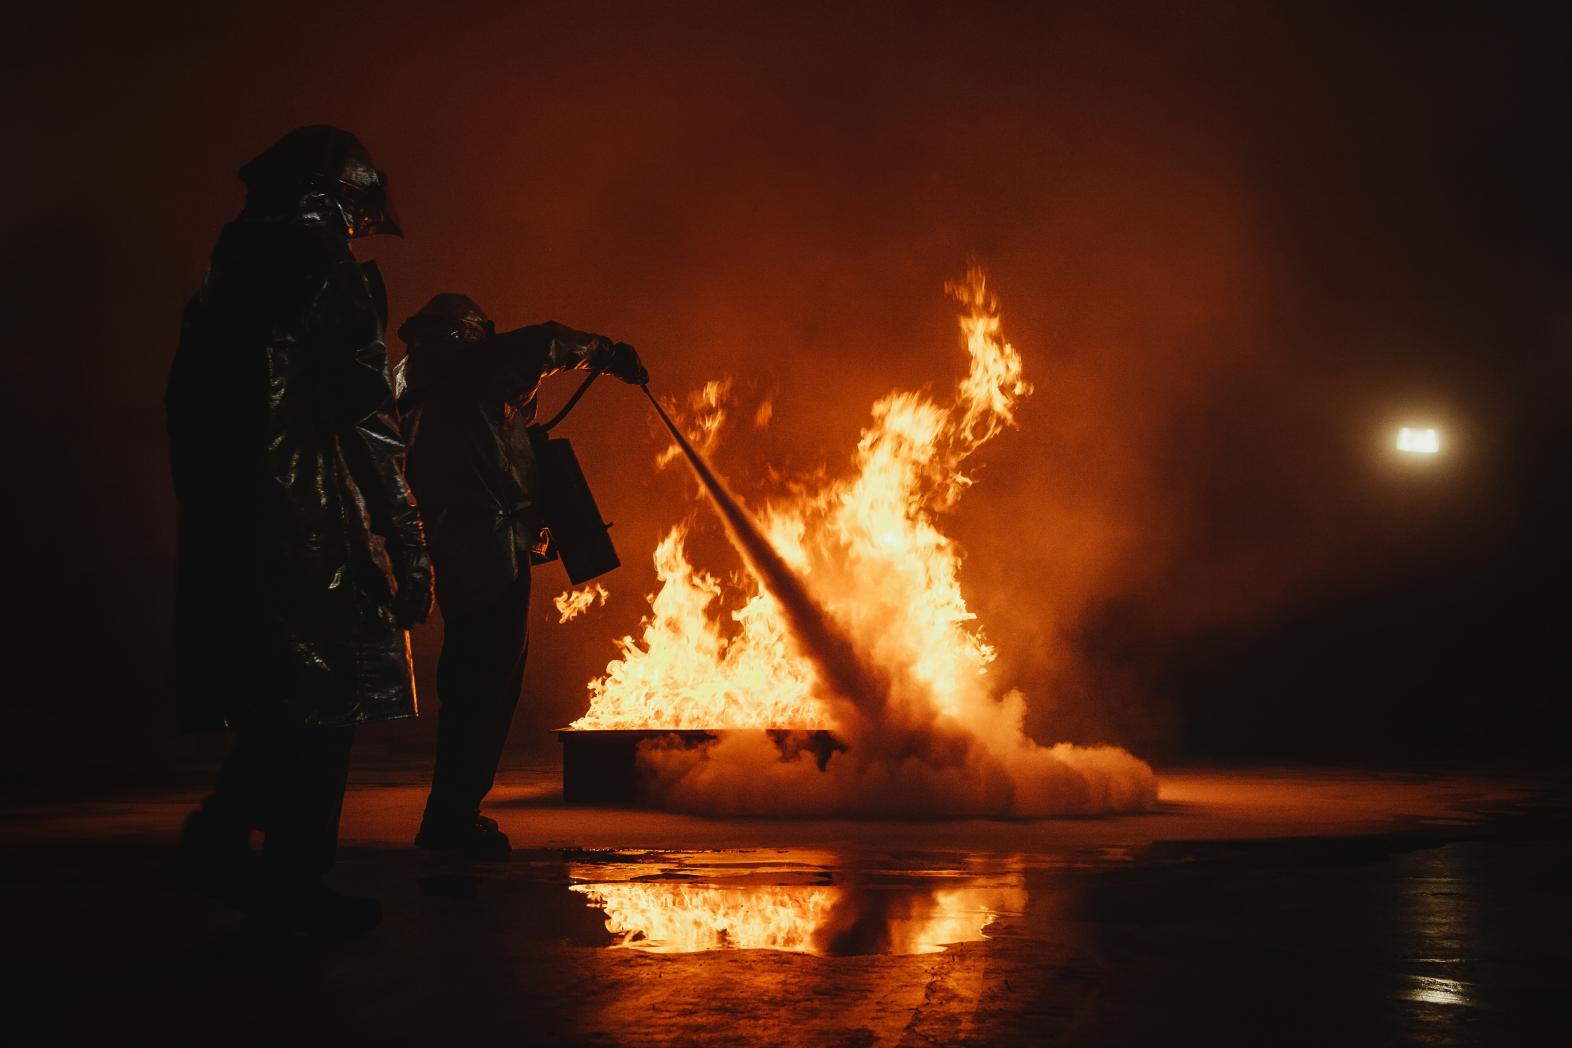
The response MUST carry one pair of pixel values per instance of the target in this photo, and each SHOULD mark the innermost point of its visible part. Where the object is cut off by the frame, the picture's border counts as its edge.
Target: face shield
(368, 207)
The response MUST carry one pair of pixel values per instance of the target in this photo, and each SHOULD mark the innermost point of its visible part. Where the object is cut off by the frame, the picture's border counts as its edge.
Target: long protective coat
(288, 469)
(467, 413)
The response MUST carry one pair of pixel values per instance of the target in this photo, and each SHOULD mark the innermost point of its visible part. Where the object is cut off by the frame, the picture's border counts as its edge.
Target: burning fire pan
(600, 766)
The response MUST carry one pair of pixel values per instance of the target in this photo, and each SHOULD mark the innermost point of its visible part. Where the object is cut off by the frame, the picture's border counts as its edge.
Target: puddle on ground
(793, 901)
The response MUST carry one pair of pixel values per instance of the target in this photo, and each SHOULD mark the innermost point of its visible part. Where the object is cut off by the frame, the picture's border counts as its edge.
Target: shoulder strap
(574, 399)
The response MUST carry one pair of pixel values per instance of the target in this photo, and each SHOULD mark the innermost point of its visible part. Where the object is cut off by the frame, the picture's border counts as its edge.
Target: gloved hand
(626, 365)
(412, 572)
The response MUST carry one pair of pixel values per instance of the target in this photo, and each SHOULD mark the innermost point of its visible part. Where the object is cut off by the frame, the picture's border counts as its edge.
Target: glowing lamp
(1414, 441)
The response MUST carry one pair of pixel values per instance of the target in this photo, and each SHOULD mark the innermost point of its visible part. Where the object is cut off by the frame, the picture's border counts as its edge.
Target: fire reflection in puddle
(795, 907)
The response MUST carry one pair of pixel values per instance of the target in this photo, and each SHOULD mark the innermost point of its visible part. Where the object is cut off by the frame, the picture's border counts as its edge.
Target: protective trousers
(286, 780)
(479, 675)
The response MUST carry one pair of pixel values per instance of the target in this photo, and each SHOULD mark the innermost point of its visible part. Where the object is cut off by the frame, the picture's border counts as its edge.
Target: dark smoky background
(1237, 247)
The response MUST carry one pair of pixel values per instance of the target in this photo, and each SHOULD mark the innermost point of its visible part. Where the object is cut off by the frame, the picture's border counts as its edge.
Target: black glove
(412, 572)
(626, 365)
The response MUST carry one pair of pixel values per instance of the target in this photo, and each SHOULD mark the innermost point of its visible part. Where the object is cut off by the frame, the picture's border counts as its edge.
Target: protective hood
(320, 173)
(437, 337)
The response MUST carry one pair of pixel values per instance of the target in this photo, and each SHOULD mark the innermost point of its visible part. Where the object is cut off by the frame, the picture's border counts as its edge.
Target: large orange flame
(869, 548)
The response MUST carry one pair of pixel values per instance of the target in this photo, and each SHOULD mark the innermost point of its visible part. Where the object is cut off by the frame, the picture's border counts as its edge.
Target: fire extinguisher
(577, 535)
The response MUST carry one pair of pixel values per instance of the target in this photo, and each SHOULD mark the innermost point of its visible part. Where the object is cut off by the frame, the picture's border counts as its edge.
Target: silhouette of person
(301, 559)
(467, 395)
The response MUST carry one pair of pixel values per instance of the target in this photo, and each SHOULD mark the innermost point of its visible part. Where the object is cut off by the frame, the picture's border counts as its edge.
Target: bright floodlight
(1418, 441)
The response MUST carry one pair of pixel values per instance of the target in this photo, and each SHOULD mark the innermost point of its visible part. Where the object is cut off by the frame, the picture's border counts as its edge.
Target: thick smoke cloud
(744, 774)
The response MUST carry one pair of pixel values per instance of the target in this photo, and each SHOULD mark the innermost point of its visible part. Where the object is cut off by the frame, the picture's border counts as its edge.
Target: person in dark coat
(301, 558)
(468, 398)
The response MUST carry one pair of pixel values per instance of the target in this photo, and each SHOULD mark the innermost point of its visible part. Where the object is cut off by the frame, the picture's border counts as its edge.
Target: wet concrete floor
(1266, 907)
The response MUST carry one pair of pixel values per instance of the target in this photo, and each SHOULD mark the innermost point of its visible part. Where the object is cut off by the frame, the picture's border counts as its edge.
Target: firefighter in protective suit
(301, 557)
(467, 396)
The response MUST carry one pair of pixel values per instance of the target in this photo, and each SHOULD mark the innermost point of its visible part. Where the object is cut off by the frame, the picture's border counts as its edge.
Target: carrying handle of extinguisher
(574, 399)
